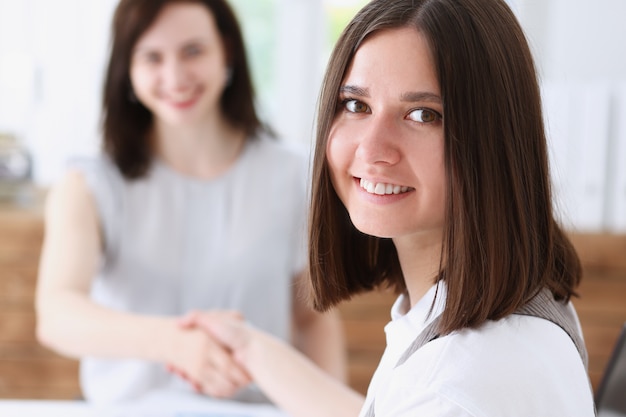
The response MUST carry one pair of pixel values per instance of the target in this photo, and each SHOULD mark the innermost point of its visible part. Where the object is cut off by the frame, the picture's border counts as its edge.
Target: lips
(183, 104)
(381, 188)
(181, 100)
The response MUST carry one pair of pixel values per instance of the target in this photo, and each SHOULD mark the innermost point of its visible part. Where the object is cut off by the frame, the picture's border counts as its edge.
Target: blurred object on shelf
(16, 168)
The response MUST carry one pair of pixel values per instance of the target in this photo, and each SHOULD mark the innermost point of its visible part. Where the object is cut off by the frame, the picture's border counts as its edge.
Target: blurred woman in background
(192, 206)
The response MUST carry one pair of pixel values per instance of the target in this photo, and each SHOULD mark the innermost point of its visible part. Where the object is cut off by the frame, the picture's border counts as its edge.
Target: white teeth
(381, 188)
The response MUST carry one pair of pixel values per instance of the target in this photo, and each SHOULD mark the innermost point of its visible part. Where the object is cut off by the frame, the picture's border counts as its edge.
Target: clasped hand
(205, 362)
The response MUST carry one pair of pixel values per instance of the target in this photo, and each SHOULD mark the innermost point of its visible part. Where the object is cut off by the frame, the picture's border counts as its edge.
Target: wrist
(257, 349)
(161, 337)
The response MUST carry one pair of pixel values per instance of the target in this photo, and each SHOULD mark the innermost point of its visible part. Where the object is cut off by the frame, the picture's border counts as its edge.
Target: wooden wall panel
(27, 370)
(601, 308)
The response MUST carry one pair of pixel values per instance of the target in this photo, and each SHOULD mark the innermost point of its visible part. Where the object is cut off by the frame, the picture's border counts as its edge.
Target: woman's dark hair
(501, 243)
(126, 122)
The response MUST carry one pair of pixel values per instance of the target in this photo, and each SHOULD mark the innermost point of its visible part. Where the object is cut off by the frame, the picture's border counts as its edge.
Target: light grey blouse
(174, 244)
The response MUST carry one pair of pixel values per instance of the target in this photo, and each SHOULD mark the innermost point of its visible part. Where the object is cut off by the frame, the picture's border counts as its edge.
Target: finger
(230, 333)
(183, 375)
(238, 375)
(223, 363)
(233, 314)
(217, 385)
(179, 372)
(192, 318)
(188, 320)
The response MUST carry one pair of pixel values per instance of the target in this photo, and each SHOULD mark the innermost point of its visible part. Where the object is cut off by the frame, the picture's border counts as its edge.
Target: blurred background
(52, 56)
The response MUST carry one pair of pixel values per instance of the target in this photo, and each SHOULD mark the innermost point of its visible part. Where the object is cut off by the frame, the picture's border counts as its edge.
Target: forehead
(180, 22)
(394, 59)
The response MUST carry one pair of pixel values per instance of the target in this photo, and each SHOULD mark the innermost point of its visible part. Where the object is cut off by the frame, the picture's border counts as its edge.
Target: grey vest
(543, 305)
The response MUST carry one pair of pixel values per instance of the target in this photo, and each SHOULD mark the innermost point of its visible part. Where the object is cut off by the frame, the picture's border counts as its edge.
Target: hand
(229, 330)
(202, 360)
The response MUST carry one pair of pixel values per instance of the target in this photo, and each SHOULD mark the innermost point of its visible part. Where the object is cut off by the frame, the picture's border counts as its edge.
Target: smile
(380, 188)
(182, 104)
(183, 101)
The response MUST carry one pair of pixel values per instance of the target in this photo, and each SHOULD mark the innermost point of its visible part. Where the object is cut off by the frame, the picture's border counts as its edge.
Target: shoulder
(279, 150)
(516, 343)
(277, 162)
(519, 365)
(100, 174)
(70, 200)
(91, 183)
(100, 165)
(74, 185)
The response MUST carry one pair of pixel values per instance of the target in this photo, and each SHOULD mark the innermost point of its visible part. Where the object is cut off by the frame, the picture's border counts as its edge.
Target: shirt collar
(405, 325)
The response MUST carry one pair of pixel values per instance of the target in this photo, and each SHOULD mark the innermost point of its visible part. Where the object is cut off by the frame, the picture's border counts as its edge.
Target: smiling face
(386, 145)
(179, 68)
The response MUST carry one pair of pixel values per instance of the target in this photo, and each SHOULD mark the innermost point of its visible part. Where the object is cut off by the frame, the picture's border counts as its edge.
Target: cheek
(139, 79)
(339, 147)
(439, 183)
(213, 68)
(336, 154)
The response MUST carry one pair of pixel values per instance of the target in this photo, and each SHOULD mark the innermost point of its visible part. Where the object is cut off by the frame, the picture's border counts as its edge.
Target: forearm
(68, 321)
(295, 383)
(322, 339)
(73, 325)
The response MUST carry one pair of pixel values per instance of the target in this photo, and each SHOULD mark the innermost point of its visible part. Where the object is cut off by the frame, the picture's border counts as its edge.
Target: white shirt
(519, 366)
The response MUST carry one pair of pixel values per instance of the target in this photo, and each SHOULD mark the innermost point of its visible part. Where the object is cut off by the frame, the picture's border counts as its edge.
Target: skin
(178, 71)
(180, 75)
(388, 129)
(388, 133)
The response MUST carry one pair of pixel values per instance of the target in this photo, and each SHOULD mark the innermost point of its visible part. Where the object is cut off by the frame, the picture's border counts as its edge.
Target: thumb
(232, 333)
(189, 320)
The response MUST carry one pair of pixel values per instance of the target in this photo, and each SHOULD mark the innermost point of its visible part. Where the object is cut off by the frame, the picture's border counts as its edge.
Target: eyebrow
(412, 96)
(353, 89)
(184, 44)
(421, 96)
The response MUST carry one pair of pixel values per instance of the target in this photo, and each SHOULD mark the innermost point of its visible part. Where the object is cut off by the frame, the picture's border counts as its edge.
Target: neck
(203, 150)
(420, 260)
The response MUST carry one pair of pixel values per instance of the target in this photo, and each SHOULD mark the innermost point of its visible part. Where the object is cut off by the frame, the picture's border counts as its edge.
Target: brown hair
(126, 122)
(501, 243)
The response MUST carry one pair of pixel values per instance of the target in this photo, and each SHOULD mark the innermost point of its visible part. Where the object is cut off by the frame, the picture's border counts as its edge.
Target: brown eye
(424, 115)
(192, 50)
(356, 106)
(152, 58)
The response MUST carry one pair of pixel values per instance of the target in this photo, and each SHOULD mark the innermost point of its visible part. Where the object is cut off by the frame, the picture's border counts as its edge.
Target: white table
(157, 405)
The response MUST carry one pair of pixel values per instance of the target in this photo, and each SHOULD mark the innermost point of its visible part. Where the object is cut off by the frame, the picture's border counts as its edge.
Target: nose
(378, 142)
(175, 76)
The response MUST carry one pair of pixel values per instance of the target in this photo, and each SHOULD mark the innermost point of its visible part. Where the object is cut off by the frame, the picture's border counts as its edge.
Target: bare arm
(284, 374)
(69, 322)
(319, 336)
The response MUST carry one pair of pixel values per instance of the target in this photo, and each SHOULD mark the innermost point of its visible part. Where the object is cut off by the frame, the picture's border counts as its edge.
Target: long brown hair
(125, 121)
(501, 242)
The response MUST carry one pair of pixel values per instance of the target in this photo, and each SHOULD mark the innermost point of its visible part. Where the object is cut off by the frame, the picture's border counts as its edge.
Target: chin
(376, 228)
(181, 120)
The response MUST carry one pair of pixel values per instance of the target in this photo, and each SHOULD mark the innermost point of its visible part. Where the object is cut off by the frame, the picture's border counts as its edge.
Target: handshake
(219, 353)
(210, 352)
